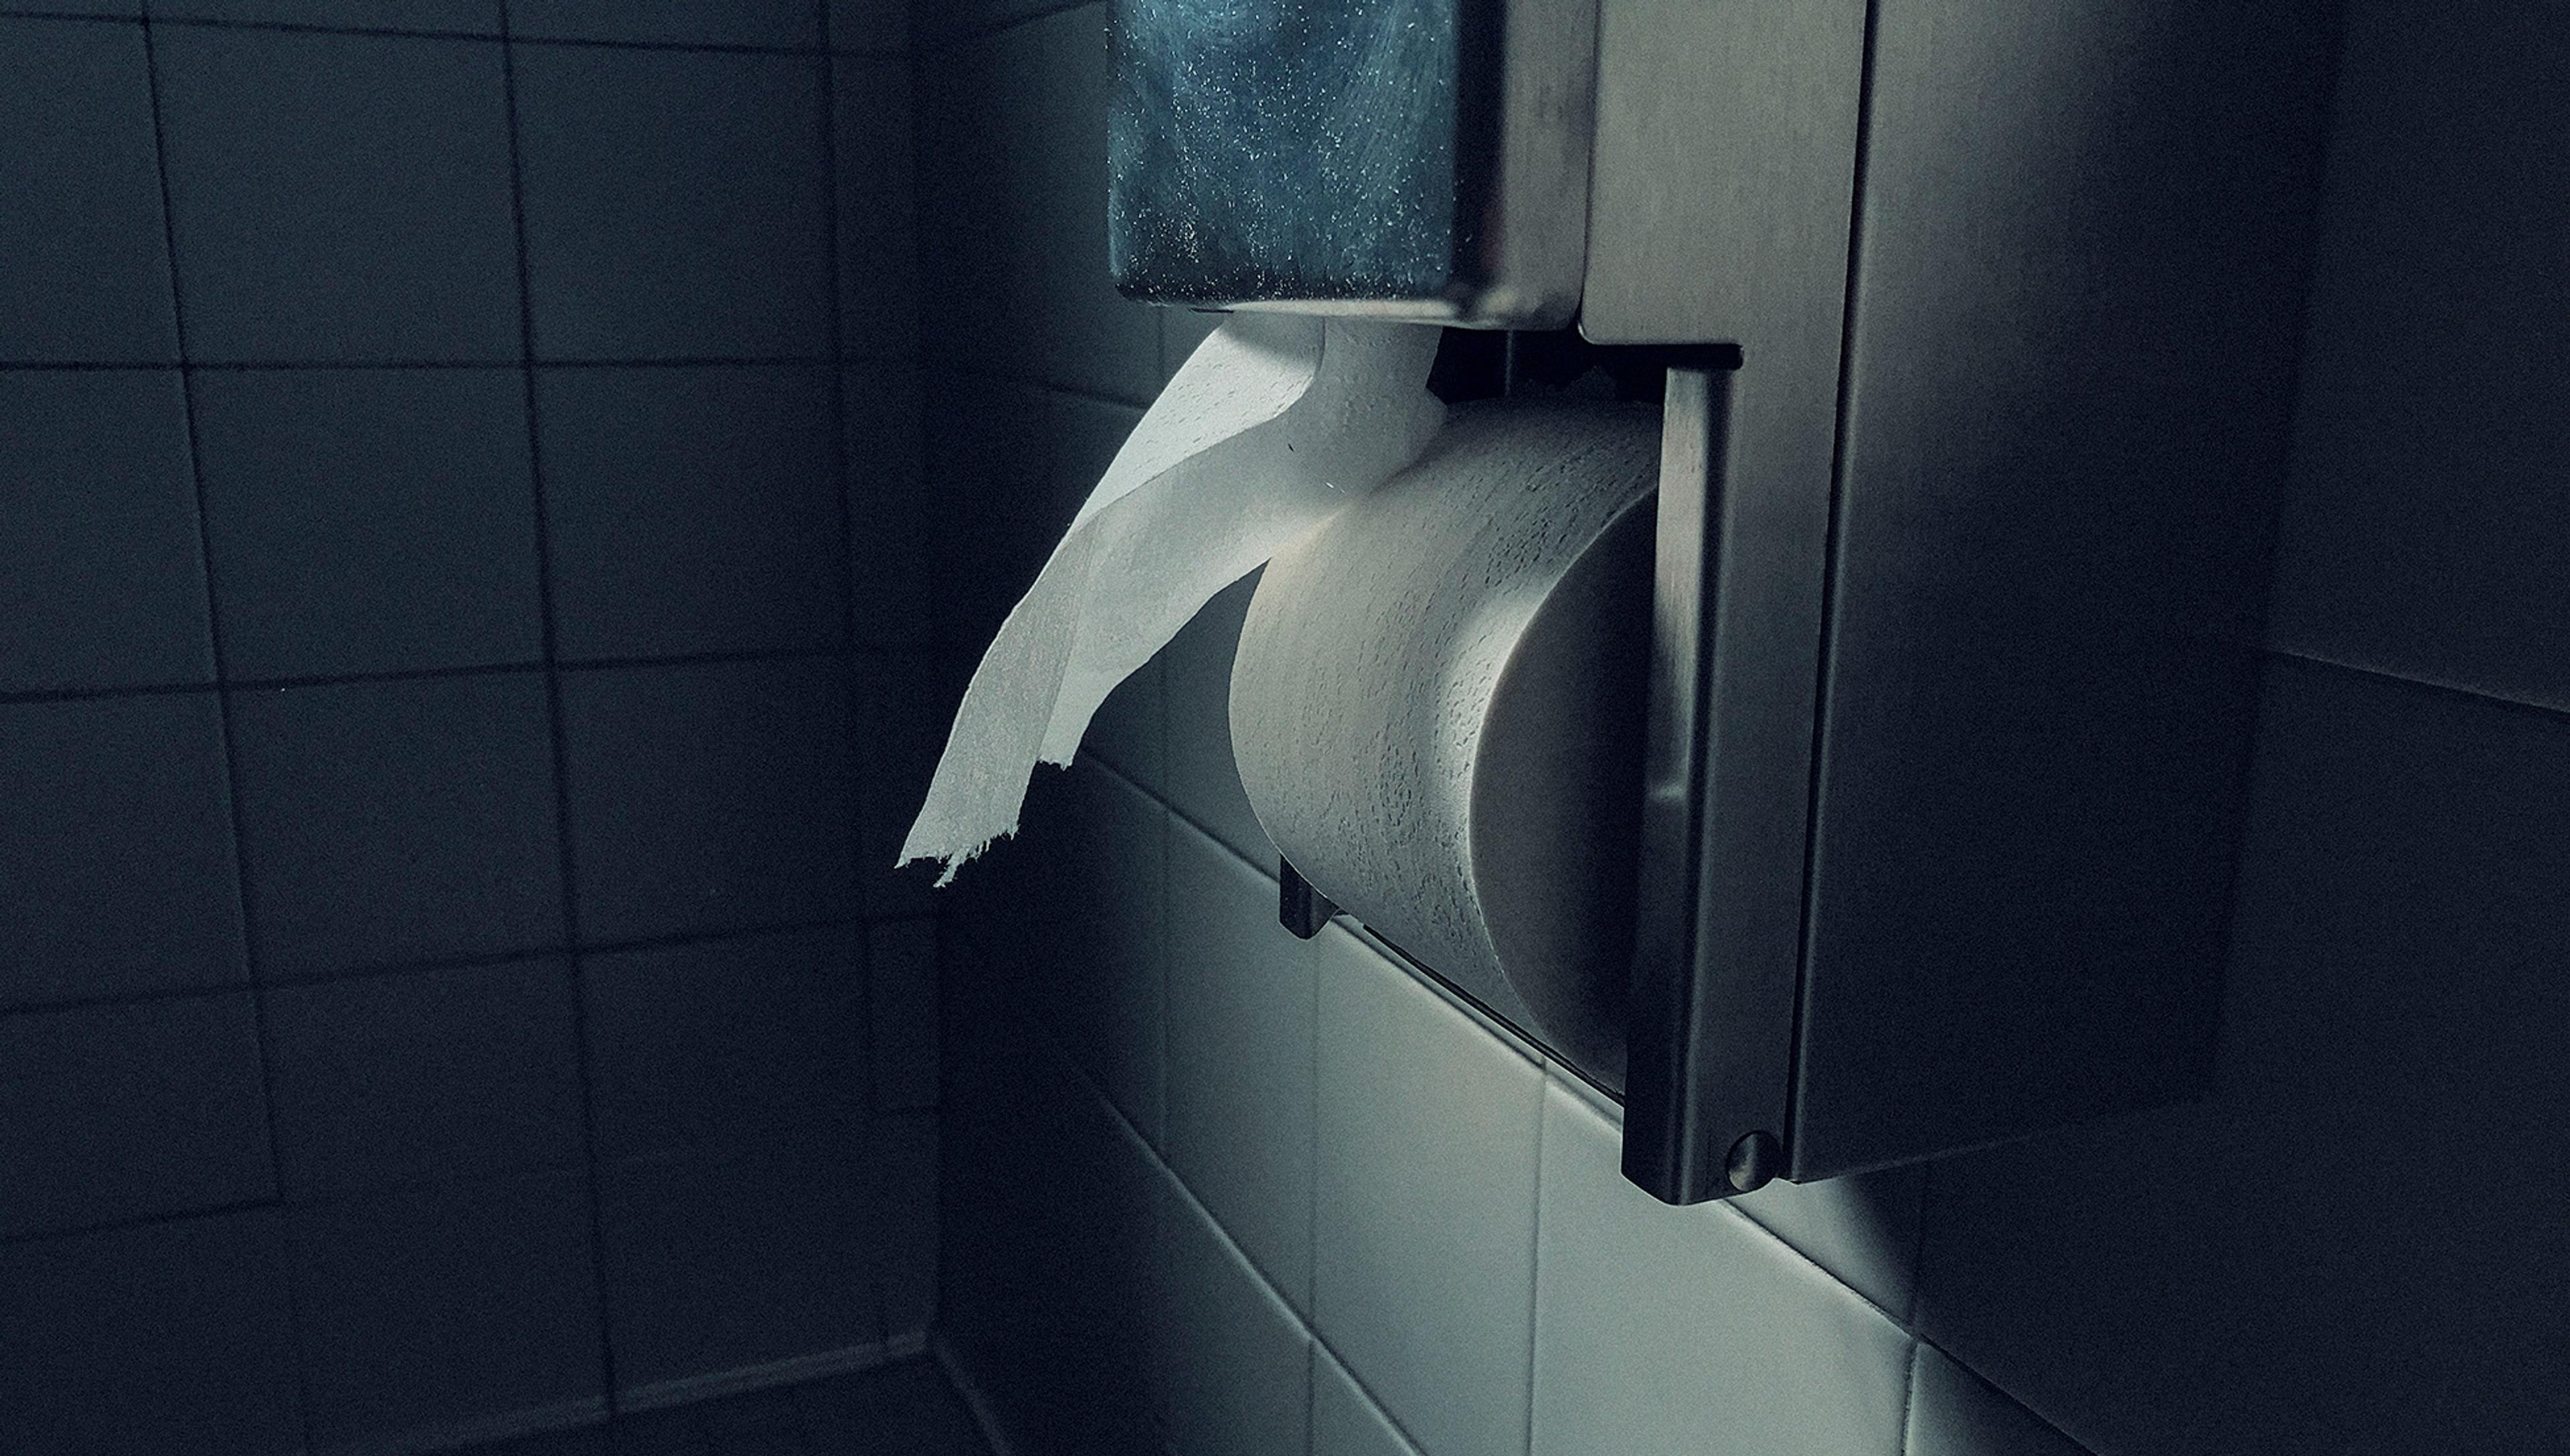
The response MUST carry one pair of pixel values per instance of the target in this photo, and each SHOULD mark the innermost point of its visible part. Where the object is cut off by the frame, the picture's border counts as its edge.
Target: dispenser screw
(1752, 1162)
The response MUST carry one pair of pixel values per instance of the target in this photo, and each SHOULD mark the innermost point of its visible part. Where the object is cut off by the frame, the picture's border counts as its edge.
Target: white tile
(1232, 1374)
(1242, 1003)
(1422, 1258)
(2355, 1241)
(1863, 1228)
(1205, 785)
(1345, 1420)
(1070, 911)
(1953, 1412)
(1682, 1330)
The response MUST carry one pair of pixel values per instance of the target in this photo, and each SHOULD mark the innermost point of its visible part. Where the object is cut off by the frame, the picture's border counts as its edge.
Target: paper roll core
(1437, 709)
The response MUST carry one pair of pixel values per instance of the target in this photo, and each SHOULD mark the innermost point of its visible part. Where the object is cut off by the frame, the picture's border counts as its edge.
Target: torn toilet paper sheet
(1273, 424)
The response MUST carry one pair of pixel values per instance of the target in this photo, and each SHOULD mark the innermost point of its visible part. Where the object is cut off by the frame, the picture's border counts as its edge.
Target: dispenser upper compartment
(1403, 158)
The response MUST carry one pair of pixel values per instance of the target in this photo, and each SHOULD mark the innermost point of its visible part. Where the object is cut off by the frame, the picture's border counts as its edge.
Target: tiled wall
(1212, 1191)
(459, 579)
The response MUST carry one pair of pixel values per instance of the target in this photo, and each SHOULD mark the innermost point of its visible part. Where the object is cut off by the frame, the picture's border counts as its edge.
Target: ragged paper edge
(1273, 423)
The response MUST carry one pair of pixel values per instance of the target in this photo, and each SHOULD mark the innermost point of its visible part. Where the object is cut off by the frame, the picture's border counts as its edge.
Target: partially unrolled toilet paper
(1437, 709)
(1272, 425)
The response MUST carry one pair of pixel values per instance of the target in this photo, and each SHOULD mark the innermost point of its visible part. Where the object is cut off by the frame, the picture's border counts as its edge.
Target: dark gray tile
(998, 509)
(116, 849)
(755, 1423)
(369, 520)
(901, 997)
(111, 1113)
(692, 510)
(1071, 912)
(128, 9)
(675, 204)
(908, 1408)
(1013, 186)
(669, 1431)
(398, 822)
(904, 1168)
(171, 1336)
(422, 1075)
(2425, 533)
(725, 1042)
(1953, 1412)
(879, 304)
(903, 711)
(89, 261)
(670, 22)
(580, 1441)
(1049, 1237)
(715, 1262)
(469, 17)
(869, 25)
(433, 1311)
(710, 796)
(102, 582)
(870, 107)
(339, 198)
(943, 23)
(887, 510)
(2350, 1244)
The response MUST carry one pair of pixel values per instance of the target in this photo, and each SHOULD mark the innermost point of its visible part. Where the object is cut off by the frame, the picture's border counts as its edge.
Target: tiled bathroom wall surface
(459, 552)
(1212, 1190)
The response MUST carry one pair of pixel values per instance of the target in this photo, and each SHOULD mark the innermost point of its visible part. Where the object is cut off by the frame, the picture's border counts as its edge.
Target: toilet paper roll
(1273, 423)
(1437, 708)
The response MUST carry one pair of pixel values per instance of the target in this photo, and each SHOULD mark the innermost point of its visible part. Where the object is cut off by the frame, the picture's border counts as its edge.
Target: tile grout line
(1535, 1253)
(46, 1234)
(18, 697)
(244, 898)
(1546, 1071)
(495, 366)
(557, 732)
(680, 939)
(844, 579)
(293, 27)
(238, 684)
(1222, 1232)
(1910, 1310)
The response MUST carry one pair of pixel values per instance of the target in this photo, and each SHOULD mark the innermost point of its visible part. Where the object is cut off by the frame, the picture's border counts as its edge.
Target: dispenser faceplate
(1405, 159)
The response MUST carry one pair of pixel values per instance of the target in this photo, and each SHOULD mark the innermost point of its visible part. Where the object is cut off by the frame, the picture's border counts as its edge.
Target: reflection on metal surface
(1709, 1051)
(1419, 158)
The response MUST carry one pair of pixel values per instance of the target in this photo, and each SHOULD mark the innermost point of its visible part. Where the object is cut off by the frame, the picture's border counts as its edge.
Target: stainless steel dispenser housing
(1982, 320)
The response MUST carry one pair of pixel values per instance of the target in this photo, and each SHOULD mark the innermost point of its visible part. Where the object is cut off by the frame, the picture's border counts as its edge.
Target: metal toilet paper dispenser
(1978, 322)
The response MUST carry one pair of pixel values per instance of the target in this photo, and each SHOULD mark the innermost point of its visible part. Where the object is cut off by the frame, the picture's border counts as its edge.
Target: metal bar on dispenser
(1708, 1062)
